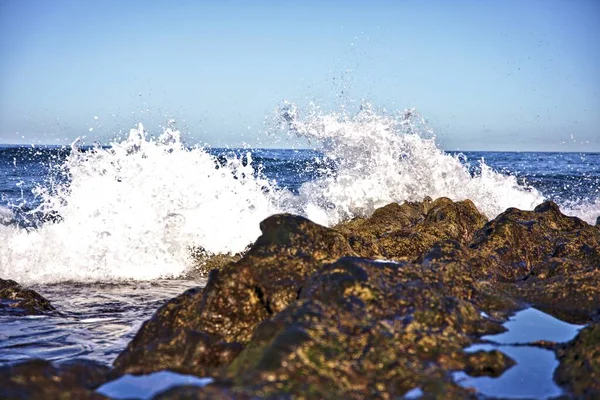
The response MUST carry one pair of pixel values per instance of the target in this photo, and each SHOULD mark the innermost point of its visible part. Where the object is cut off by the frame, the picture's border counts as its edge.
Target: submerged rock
(203, 329)
(40, 379)
(579, 368)
(16, 300)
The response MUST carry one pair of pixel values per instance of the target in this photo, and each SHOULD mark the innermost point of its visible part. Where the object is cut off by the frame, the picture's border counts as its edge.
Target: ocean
(105, 232)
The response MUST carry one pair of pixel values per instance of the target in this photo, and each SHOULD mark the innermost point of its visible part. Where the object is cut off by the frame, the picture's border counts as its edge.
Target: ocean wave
(134, 209)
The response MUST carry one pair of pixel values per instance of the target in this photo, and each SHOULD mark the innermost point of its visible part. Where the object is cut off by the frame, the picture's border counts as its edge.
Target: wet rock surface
(213, 324)
(17, 300)
(404, 232)
(378, 307)
(40, 379)
(360, 328)
(307, 311)
(579, 369)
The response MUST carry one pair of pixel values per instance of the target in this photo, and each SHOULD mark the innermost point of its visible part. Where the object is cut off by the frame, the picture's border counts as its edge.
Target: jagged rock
(579, 368)
(565, 288)
(205, 262)
(299, 315)
(212, 324)
(16, 300)
(551, 260)
(40, 379)
(516, 241)
(404, 232)
(361, 329)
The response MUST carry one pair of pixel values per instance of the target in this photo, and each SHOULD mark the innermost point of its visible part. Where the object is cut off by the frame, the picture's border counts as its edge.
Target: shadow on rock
(16, 300)
(40, 379)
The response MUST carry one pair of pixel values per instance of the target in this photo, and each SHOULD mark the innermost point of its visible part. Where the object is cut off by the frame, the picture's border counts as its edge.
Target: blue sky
(489, 75)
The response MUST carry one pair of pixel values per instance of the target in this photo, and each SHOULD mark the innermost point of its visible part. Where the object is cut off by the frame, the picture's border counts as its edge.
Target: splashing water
(135, 209)
(382, 159)
(132, 211)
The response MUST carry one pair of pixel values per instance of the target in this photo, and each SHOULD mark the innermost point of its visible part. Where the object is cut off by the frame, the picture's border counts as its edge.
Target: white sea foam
(382, 159)
(588, 210)
(134, 210)
(6, 216)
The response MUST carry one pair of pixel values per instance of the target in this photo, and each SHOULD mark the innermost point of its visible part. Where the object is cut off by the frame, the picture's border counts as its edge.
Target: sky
(487, 75)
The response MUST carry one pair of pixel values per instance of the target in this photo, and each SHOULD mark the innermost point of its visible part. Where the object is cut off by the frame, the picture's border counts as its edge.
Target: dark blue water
(566, 178)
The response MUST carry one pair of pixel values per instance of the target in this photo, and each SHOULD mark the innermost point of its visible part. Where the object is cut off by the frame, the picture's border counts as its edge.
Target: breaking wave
(135, 209)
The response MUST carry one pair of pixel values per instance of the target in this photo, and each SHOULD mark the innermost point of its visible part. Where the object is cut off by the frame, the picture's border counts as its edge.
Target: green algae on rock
(404, 232)
(362, 328)
(516, 241)
(579, 368)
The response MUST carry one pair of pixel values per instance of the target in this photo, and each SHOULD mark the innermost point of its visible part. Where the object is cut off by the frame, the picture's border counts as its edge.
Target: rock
(551, 260)
(16, 300)
(169, 340)
(301, 315)
(404, 232)
(205, 262)
(487, 363)
(40, 379)
(203, 329)
(360, 329)
(363, 234)
(565, 288)
(516, 241)
(462, 271)
(579, 368)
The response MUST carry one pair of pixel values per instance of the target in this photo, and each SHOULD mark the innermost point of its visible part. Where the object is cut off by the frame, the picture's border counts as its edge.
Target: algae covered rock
(516, 241)
(40, 379)
(566, 288)
(551, 260)
(360, 328)
(203, 329)
(404, 232)
(16, 300)
(205, 262)
(579, 368)
(304, 313)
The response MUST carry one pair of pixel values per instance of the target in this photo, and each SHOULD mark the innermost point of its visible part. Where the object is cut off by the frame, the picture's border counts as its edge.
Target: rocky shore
(372, 308)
